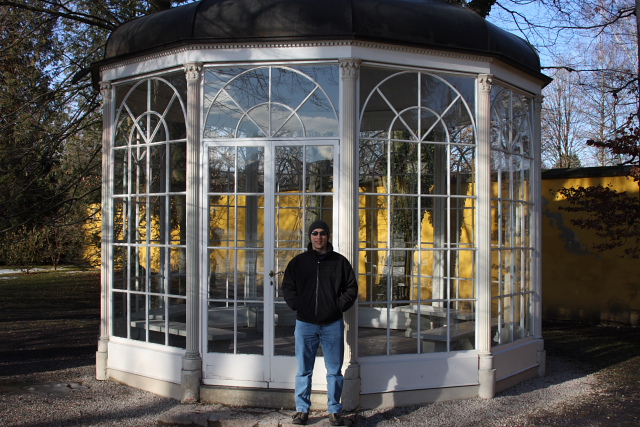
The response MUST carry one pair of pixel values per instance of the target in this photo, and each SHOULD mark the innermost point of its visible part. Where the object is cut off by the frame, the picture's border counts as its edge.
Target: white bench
(459, 334)
(180, 328)
(432, 316)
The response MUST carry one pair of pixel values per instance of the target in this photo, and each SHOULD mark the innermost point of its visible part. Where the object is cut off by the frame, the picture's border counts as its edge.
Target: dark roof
(590, 172)
(432, 24)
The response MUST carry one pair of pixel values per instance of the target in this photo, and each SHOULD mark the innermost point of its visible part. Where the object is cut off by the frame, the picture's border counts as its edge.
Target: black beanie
(319, 224)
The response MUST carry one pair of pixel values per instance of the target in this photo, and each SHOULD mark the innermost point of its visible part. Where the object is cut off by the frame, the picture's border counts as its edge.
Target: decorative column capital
(537, 102)
(105, 89)
(192, 70)
(486, 82)
(350, 68)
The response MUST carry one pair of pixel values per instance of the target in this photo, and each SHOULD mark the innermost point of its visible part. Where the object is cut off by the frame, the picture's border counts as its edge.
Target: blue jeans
(308, 336)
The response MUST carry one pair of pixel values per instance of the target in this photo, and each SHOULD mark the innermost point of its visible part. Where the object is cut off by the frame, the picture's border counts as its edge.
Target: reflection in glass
(284, 326)
(319, 168)
(288, 169)
(417, 210)
(119, 314)
(150, 162)
(271, 102)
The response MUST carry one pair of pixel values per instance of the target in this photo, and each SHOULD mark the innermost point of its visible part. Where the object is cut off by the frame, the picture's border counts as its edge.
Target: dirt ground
(55, 336)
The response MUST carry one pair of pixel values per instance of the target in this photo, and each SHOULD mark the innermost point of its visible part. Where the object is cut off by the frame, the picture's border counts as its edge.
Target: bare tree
(562, 117)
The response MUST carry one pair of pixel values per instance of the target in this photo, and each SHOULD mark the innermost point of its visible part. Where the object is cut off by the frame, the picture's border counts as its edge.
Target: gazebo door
(260, 195)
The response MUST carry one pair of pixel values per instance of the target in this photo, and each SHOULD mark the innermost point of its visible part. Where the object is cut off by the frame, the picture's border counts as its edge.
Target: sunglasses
(322, 233)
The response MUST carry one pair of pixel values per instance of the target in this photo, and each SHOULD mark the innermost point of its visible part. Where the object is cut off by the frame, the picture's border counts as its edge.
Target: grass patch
(49, 293)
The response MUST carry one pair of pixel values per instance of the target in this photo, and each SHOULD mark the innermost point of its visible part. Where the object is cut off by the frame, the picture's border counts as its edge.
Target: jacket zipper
(317, 287)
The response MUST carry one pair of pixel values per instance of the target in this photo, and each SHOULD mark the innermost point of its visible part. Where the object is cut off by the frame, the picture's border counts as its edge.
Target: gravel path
(72, 397)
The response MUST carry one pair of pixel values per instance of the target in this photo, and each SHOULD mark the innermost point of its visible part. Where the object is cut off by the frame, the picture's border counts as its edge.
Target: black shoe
(336, 419)
(300, 418)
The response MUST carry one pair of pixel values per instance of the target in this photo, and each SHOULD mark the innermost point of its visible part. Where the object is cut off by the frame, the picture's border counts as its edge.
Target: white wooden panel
(381, 374)
(513, 358)
(156, 362)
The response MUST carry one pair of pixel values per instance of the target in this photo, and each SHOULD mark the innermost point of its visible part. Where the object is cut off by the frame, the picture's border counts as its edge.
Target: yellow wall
(579, 284)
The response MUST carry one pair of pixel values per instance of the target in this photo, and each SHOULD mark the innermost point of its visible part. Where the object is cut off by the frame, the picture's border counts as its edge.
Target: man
(319, 285)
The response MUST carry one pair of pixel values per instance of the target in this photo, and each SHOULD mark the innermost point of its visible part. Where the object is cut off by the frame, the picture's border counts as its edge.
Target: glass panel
(156, 274)
(222, 168)
(119, 314)
(256, 123)
(222, 277)
(284, 327)
(119, 217)
(158, 169)
(404, 167)
(220, 327)
(282, 259)
(373, 165)
(250, 231)
(139, 213)
(178, 167)
(157, 320)
(178, 272)
(120, 262)
(506, 276)
(466, 219)
(463, 287)
(223, 117)
(527, 284)
(402, 340)
(319, 169)
(158, 219)
(400, 274)
(496, 232)
(139, 170)
(377, 118)
(178, 220)
(373, 221)
(462, 161)
(222, 221)
(528, 314)
(138, 270)
(250, 275)
(137, 310)
(372, 329)
(250, 169)
(506, 224)
(433, 168)
(286, 124)
(250, 88)
(120, 171)
(249, 336)
(495, 273)
(281, 115)
(288, 169)
(177, 319)
(517, 271)
(404, 221)
(288, 233)
(401, 91)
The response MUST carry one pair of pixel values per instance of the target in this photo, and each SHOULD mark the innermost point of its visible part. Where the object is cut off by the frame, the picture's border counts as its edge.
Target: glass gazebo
(411, 127)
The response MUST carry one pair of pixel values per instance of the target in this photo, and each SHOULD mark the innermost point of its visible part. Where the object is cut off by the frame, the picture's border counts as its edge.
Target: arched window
(417, 212)
(511, 211)
(148, 290)
(271, 102)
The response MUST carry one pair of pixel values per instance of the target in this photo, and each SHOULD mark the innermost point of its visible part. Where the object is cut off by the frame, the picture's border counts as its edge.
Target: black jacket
(319, 288)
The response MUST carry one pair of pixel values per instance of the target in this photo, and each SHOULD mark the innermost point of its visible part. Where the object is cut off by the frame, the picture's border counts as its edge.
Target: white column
(348, 216)
(192, 360)
(107, 228)
(486, 373)
(536, 224)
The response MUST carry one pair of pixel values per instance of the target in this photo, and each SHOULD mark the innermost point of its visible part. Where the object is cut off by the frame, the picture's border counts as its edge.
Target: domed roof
(432, 24)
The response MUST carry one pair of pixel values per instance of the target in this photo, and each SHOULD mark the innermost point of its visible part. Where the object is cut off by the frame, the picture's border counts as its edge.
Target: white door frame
(252, 370)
